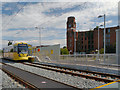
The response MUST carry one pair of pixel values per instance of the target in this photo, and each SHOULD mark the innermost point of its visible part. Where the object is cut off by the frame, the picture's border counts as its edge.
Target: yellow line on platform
(105, 85)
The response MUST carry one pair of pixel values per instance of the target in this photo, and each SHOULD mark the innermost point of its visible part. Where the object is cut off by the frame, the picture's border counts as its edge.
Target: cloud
(4, 44)
(59, 0)
(8, 9)
(53, 16)
(62, 42)
(33, 14)
(0, 25)
(107, 22)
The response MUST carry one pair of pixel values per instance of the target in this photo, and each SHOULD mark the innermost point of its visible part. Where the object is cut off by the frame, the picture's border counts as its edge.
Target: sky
(19, 19)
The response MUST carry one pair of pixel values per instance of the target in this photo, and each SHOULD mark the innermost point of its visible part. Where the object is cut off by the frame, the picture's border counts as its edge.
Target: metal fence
(89, 59)
(85, 59)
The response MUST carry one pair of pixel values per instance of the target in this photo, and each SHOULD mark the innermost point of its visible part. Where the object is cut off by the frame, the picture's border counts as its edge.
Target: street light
(75, 42)
(100, 16)
(104, 34)
(39, 34)
(98, 41)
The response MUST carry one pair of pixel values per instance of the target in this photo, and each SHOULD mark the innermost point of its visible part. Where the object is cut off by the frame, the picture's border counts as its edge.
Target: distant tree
(64, 47)
(97, 27)
(61, 51)
(11, 50)
(9, 43)
(0, 51)
(64, 51)
(101, 50)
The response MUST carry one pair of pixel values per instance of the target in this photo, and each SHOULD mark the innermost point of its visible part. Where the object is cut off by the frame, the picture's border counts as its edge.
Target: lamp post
(74, 43)
(39, 35)
(98, 42)
(104, 34)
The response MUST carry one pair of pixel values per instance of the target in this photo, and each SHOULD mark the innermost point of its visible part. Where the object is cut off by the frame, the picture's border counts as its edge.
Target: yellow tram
(18, 51)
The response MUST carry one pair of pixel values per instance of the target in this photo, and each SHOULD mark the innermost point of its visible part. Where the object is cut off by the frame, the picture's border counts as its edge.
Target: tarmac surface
(36, 80)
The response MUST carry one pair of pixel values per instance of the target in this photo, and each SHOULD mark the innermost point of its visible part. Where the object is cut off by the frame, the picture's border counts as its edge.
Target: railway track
(32, 80)
(103, 77)
(81, 73)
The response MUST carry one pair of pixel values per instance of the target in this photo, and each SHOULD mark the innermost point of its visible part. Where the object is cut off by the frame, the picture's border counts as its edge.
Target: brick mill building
(87, 41)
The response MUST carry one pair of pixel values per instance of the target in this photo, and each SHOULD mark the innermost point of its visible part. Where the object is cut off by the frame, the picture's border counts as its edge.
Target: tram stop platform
(109, 86)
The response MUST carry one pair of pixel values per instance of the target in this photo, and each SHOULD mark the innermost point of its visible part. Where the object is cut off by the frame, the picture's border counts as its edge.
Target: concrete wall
(48, 53)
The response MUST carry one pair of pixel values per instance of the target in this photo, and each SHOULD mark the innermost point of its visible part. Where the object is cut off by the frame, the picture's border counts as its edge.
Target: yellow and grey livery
(18, 51)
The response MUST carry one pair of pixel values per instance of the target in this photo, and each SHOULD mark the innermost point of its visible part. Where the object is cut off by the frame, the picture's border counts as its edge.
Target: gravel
(101, 69)
(61, 77)
(8, 82)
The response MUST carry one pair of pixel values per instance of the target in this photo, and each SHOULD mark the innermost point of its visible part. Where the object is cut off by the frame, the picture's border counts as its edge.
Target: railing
(89, 59)
(82, 59)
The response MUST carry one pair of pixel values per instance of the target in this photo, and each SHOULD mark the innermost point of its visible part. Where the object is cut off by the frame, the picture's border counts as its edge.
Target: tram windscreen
(22, 48)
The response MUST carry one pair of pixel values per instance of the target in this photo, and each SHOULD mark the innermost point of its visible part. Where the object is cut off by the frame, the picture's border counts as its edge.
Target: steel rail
(33, 87)
(72, 73)
(25, 83)
(86, 71)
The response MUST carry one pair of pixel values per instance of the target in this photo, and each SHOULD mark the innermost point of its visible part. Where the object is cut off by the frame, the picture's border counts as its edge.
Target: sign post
(118, 46)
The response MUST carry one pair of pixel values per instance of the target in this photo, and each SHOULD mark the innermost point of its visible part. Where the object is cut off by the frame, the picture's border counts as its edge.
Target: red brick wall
(113, 35)
(70, 33)
(101, 34)
(70, 36)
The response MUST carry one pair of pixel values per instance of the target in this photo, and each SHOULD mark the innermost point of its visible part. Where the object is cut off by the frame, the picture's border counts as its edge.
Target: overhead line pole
(75, 43)
(104, 35)
(104, 38)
